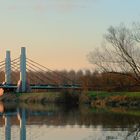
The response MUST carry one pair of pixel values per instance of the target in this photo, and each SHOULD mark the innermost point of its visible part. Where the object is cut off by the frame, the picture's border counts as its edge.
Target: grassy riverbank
(94, 98)
(33, 97)
(114, 98)
(42, 97)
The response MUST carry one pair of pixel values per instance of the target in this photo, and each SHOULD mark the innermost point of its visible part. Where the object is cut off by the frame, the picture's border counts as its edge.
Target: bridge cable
(5, 63)
(35, 75)
(39, 68)
(42, 74)
(30, 78)
(15, 68)
(39, 73)
(16, 65)
(50, 70)
(30, 73)
(2, 61)
(2, 64)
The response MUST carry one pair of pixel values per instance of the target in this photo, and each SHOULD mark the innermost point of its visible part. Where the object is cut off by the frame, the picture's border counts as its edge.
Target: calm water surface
(61, 122)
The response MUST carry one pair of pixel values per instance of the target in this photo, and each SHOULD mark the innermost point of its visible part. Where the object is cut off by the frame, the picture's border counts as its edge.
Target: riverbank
(42, 97)
(115, 99)
(93, 98)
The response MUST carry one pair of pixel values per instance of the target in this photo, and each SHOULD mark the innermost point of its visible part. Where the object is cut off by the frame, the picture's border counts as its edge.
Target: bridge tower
(8, 68)
(23, 69)
(22, 84)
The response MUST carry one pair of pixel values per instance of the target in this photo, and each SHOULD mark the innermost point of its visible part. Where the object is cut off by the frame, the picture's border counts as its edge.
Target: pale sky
(60, 33)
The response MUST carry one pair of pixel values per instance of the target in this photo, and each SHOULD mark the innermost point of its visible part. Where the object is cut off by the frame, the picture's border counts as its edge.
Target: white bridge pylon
(22, 84)
(8, 68)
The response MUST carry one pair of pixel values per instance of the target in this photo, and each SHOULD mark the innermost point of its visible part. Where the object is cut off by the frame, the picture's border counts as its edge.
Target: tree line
(89, 80)
(118, 56)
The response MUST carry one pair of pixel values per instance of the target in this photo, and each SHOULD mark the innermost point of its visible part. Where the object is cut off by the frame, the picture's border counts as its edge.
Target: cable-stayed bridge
(23, 74)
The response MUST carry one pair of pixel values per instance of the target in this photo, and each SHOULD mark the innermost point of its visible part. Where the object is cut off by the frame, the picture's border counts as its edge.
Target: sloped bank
(47, 97)
(116, 99)
(95, 99)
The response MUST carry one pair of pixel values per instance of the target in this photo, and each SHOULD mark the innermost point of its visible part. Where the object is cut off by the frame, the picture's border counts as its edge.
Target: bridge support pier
(22, 84)
(23, 69)
(8, 68)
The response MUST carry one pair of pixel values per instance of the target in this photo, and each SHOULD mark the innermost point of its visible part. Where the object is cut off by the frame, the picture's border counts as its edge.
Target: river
(63, 122)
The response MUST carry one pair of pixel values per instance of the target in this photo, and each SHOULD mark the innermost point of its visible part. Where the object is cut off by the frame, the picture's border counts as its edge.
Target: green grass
(49, 96)
(104, 94)
(123, 111)
(132, 94)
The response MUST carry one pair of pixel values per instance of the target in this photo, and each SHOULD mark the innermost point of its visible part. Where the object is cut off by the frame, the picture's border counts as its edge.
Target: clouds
(51, 5)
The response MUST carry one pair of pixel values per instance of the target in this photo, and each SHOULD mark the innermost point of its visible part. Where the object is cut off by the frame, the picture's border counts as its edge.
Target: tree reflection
(21, 116)
(113, 124)
(135, 133)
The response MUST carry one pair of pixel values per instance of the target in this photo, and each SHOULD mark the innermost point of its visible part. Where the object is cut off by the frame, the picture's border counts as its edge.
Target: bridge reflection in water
(21, 115)
(55, 122)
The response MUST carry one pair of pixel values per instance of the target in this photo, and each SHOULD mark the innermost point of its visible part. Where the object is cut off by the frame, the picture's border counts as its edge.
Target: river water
(62, 122)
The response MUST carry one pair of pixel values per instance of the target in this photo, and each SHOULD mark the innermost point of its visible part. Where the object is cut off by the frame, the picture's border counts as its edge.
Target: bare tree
(120, 53)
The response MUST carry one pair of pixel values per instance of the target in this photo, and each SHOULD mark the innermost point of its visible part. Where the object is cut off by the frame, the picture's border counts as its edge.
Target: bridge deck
(13, 86)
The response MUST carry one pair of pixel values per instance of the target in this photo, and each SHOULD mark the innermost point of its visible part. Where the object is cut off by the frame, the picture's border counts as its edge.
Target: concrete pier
(23, 69)
(23, 85)
(8, 68)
